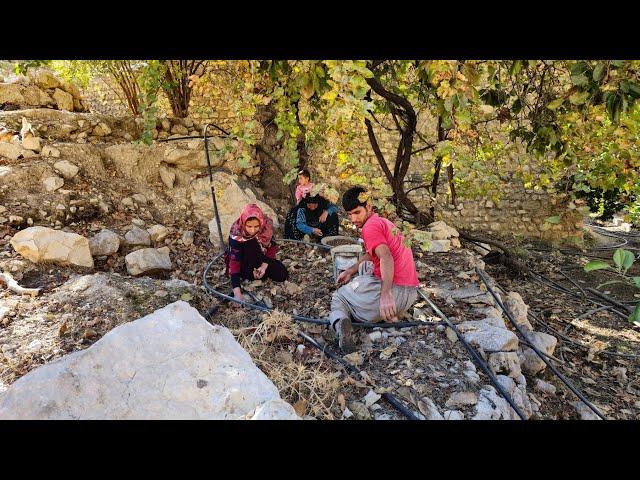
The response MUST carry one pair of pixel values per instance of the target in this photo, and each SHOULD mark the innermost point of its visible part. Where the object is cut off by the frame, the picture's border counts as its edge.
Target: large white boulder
(171, 364)
(42, 244)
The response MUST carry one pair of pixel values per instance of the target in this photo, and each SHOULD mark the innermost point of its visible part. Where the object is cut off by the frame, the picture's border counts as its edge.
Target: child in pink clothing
(304, 185)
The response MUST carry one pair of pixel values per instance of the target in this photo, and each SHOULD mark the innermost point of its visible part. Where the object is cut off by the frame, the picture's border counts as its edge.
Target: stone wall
(520, 211)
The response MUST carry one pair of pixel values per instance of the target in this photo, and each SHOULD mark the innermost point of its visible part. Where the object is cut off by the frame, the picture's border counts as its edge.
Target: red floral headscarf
(264, 235)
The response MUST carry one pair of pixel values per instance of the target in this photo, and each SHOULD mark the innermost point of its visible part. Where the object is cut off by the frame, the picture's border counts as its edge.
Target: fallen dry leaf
(356, 359)
(387, 352)
(301, 407)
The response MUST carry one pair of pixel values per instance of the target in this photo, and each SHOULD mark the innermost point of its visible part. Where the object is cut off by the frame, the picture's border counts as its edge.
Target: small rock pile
(442, 237)
(499, 346)
(168, 127)
(41, 89)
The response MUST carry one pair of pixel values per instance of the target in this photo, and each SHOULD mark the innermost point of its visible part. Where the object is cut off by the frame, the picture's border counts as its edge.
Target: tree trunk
(266, 152)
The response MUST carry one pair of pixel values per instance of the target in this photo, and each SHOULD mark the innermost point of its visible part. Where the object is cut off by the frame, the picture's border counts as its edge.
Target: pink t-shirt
(303, 191)
(376, 231)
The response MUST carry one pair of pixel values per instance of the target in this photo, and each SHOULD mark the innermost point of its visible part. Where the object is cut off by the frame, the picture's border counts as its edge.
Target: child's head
(304, 177)
(252, 226)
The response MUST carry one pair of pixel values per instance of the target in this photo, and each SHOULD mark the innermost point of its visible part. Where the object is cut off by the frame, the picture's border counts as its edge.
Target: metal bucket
(345, 256)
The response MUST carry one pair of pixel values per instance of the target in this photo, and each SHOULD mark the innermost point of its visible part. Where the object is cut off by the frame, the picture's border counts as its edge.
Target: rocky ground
(124, 232)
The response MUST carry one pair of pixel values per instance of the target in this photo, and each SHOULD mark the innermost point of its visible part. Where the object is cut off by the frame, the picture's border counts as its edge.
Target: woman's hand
(323, 216)
(317, 232)
(259, 272)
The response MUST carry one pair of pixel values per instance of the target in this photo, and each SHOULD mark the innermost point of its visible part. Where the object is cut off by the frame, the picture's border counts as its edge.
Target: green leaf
(579, 98)
(580, 80)
(554, 220)
(598, 72)
(617, 63)
(635, 316)
(636, 281)
(629, 257)
(186, 297)
(555, 104)
(618, 257)
(595, 265)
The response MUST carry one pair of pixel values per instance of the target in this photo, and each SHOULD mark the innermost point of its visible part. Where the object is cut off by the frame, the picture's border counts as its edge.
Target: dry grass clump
(311, 389)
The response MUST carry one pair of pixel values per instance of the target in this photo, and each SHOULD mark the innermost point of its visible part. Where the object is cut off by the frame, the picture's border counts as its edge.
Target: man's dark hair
(350, 198)
(305, 173)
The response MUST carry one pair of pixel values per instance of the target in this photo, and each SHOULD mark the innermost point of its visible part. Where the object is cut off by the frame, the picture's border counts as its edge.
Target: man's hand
(388, 311)
(323, 216)
(259, 272)
(344, 277)
(317, 232)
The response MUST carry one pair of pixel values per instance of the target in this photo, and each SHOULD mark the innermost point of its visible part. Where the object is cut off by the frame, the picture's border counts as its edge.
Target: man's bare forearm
(386, 272)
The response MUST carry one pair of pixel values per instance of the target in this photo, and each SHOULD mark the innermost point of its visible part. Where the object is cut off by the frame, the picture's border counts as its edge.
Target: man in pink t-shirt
(387, 280)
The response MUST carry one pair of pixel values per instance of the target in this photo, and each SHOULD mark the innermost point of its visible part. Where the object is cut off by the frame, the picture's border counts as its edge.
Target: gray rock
(51, 184)
(67, 169)
(171, 364)
(453, 415)
(459, 399)
(585, 412)
(101, 130)
(104, 243)
(370, 398)
(505, 362)
(375, 336)
(543, 387)
(49, 151)
(488, 337)
(158, 233)
(530, 361)
(137, 236)
(518, 309)
(147, 260)
(167, 176)
(139, 199)
(430, 410)
(440, 246)
(360, 411)
(187, 238)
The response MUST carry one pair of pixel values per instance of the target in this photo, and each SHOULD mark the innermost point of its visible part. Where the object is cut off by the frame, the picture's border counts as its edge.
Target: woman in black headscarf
(314, 216)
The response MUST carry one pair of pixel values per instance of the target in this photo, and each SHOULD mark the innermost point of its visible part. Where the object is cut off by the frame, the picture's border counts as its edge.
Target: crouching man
(387, 281)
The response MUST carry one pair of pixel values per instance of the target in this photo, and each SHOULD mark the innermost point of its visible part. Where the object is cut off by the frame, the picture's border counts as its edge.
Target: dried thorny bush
(311, 389)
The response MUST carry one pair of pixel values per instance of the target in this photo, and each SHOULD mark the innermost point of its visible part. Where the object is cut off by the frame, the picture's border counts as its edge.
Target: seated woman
(251, 252)
(314, 216)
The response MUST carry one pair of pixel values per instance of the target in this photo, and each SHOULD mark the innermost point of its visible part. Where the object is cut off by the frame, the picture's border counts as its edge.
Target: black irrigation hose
(387, 396)
(475, 355)
(301, 318)
(535, 349)
(559, 288)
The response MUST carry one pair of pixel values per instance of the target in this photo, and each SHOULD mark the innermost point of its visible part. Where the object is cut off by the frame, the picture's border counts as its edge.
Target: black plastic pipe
(535, 349)
(475, 355)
